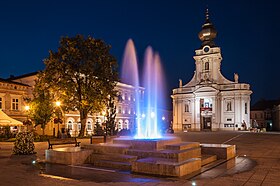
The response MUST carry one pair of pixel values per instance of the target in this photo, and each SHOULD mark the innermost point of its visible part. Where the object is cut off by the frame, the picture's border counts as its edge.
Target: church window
(15, 104)
(207, 66)
(246, 108)
(0, 103)
(229, 119)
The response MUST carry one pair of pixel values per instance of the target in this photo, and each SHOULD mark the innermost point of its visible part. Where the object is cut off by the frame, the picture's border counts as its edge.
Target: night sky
(248, 34)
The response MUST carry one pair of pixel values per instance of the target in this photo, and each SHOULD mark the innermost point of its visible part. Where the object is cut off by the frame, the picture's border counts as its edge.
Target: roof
(6, 120)
(265, 104)
(22, 76)
(12, 82)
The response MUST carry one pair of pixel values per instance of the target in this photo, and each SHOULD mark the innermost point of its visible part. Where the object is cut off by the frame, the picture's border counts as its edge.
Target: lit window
(120, 109)
(15, 104)
(125, 96)
(70, 126)
(89, 126)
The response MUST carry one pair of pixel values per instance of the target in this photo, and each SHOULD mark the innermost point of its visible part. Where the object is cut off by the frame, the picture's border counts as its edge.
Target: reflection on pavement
(89, 173)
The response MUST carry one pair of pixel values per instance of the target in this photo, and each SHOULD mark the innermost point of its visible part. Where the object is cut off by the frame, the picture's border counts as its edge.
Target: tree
(98, 131)
(111, 115)
(41, 105)
(82, 74)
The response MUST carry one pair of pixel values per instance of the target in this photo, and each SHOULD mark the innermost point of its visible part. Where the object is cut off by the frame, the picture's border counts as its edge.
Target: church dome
(208, 32)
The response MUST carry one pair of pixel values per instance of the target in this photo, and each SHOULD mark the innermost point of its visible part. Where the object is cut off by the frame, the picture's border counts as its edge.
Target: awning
(6, 120)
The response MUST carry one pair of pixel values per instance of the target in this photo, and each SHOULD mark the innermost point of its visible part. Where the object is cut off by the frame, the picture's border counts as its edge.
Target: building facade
(125, 109)
(12, 96)
(210, 101)
(265, 114)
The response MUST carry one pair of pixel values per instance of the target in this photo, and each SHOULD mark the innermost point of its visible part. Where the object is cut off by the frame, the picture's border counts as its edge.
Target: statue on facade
(236, 77)
(180, 83)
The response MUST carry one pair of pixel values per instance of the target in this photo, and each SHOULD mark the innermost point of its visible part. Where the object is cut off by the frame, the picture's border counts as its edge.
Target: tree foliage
(41, 105)
(111, 116)
(82, 74)
(98, 130)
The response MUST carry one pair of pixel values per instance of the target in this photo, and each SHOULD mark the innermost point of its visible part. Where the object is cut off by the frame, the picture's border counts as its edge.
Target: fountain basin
(67, 155)
(223, 151)
(147, 144)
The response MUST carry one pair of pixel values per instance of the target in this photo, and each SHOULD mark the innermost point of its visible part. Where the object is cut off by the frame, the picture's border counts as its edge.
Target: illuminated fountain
(148, 152)
(148, 124)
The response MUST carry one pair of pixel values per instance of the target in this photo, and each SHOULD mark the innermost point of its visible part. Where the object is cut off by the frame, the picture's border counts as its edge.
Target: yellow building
(125, 108)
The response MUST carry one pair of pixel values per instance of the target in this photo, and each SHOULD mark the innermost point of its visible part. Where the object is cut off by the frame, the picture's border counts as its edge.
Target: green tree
(41, 105)
(98, 129)
(111, 115)
(82, 74)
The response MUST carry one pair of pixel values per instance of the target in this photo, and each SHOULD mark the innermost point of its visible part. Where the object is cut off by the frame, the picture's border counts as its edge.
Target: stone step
(223, 151)
(112, 157)
(183, 146)
(113, 164)
(165, 167)
(206, 159)
(179, 155)
(107, 148)
(174, 155)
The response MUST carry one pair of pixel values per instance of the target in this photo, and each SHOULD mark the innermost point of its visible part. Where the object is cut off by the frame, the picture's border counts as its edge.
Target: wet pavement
(257, 163)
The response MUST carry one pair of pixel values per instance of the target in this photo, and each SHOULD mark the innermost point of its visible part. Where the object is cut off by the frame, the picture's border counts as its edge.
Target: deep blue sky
(248, 34)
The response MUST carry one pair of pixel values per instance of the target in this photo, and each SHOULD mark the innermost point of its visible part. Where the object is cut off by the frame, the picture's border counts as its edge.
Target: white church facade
(210, 101)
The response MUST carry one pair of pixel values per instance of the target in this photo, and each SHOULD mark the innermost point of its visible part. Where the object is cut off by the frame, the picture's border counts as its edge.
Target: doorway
(207, 122)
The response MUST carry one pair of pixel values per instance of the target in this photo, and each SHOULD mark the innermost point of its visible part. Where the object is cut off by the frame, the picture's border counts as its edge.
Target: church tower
(210, 101)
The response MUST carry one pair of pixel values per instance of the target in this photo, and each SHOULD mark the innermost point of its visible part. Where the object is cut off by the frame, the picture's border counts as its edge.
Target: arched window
(120, 124)
(126, 124)
(70, 125)
(206, 65)
(89, 124)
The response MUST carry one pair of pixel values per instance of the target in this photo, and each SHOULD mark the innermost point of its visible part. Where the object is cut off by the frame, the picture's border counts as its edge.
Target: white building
(210, 101)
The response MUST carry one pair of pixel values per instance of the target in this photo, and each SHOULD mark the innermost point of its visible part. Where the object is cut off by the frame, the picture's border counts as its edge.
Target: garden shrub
(24, 143)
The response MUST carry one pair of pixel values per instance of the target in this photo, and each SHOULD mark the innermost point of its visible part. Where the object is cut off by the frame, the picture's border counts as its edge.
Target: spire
(208, 32)
(207, 14)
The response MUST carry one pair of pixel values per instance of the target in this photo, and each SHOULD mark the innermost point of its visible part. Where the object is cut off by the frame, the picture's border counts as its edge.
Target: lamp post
(57, 104)
(104, 120)
(27, 108)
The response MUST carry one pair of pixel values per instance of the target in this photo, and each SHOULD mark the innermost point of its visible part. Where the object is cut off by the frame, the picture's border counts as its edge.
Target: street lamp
(27, 122)
(27, 108)
(57, 104)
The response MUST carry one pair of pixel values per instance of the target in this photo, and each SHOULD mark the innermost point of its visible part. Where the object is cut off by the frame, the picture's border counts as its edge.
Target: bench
(63, 142)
